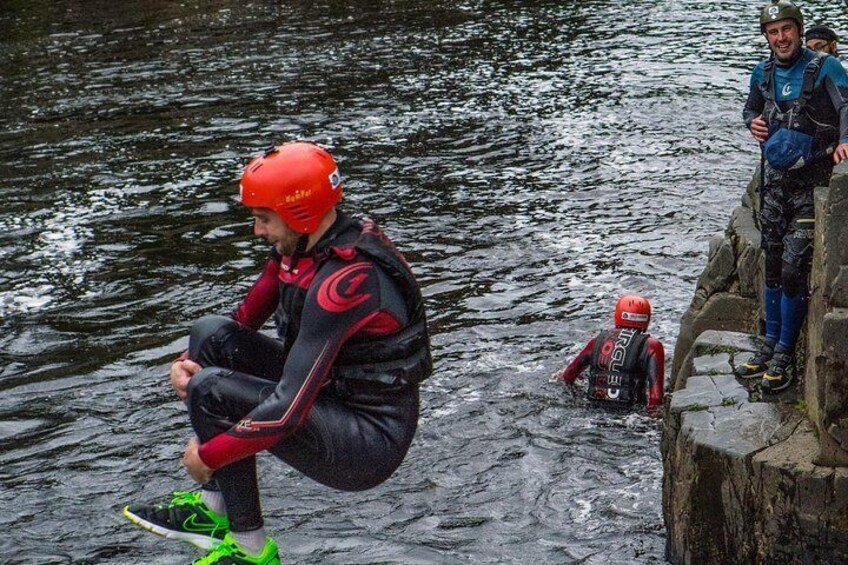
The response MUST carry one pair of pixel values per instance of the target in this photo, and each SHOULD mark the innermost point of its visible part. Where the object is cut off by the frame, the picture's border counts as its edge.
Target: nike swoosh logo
(191, 524)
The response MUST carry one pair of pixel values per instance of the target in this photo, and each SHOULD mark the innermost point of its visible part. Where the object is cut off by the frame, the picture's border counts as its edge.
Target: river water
(533, 159)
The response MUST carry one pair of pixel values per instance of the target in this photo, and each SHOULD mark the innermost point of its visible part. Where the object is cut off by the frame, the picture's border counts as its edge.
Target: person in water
(823, 39)
(797, 110)
(625, 363)
(335, 397)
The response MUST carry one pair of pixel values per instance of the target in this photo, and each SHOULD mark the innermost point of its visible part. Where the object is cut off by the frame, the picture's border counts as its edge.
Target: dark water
(534, 159)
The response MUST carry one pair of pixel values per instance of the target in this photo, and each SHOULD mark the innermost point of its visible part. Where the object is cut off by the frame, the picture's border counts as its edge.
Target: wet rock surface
(826, 387)
(740, 485)
(754, 478)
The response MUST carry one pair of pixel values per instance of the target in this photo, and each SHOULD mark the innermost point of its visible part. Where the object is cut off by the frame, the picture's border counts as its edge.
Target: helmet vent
(300, 212)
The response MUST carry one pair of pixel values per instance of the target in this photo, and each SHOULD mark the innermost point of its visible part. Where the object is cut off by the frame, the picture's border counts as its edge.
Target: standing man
(625, 363)
(336, 397)
(797, 111)
(822, 38)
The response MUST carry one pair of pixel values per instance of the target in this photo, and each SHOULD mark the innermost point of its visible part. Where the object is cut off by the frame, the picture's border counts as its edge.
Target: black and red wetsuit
(337, 396)
(625, 368)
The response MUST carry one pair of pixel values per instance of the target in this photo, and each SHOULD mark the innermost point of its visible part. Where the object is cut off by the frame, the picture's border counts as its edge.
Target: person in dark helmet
(626, 364)
(335, 397)
(822, 38)
(797, 110)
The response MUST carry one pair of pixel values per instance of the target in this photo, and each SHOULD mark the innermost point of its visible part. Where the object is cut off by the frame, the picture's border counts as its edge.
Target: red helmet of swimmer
(633, 311)
(299, 181)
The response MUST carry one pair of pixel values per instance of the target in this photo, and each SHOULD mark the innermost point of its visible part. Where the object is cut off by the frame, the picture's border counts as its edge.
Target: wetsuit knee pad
(225, 395)
(797, 256)
(207, 406)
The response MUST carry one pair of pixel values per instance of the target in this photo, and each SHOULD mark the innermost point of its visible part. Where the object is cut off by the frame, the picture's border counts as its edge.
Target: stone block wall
(748, 481)
(826, 378)
(728, 297)
(739, 485)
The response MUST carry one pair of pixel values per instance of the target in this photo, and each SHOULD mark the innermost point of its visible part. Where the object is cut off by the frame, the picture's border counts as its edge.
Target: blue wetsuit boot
(758, 363)
(793, 310)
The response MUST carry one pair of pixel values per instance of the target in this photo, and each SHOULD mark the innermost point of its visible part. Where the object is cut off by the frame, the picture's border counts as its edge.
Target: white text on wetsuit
(613, 355)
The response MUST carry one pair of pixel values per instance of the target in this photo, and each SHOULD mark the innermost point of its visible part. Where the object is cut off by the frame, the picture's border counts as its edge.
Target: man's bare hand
(759, 129)
(841, 153)
(182, 370)
(195, 466)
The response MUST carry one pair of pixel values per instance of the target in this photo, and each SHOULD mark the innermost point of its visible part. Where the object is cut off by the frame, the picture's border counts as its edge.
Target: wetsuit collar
(342, 223)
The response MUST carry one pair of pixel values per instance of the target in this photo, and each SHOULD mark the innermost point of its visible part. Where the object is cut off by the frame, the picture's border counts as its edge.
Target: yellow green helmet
(781, 10)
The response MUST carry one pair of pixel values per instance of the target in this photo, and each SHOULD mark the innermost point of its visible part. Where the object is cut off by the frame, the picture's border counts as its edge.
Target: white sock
(214, 500)
(252, 542)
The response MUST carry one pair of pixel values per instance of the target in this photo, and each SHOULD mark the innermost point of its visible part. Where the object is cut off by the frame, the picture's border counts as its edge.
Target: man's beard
(288, 245)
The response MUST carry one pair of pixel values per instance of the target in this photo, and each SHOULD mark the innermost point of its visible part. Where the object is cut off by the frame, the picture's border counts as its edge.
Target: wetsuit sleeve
(755, 103)
(343, 297)
(578, 364)
(654, 375)
(262, 298)
(836, 84)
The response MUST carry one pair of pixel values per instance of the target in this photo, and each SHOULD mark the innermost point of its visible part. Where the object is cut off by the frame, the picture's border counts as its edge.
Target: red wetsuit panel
(383, 323)
(345, 298)
(578, 364)
(655, 373)
(262, 298)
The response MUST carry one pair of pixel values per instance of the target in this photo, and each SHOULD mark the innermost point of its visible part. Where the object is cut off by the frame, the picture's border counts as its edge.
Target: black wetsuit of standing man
(797, 109)
(335, 397)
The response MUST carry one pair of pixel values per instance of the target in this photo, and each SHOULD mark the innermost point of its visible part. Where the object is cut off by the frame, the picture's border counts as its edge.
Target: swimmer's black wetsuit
(336, 397)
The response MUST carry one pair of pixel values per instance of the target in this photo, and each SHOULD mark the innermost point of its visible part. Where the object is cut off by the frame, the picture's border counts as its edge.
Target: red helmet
(299, 181)
(633, 311)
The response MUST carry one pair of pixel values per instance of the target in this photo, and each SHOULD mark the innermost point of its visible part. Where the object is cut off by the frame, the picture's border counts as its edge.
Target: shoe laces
(224, 549)
(227, 548)
(185, 498)
(195, 502)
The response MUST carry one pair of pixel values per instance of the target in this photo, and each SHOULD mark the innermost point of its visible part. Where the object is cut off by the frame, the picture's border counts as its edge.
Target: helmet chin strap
(299, 251)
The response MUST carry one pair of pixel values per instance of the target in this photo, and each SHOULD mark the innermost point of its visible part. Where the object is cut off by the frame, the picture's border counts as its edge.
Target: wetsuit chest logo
(787, 89)
(339, 292)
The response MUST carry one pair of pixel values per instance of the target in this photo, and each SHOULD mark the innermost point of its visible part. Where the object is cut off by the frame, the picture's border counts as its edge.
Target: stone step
(739, 482)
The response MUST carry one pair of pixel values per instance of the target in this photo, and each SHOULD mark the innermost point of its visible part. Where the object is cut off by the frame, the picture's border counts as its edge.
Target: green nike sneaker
(229, 552)
(185, 518)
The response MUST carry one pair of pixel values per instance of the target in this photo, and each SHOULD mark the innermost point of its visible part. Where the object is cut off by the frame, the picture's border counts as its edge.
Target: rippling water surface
(534, 159)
